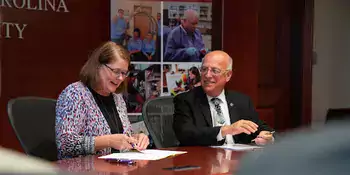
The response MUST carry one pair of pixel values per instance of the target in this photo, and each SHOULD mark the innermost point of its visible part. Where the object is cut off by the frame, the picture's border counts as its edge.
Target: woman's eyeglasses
(118, 72)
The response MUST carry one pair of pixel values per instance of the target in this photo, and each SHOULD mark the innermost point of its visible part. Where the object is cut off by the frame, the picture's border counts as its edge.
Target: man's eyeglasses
(118, 72)
(214, 71)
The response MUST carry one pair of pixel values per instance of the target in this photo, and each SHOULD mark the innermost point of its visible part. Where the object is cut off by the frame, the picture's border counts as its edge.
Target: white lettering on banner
(49, 5)
(20, 30)
(6, 28)
(29, 7)
(61, 5)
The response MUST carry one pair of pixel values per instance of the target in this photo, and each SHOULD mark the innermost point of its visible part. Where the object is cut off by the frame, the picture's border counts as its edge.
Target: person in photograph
(135, 46)
(166, 69)
(119, 25)
(135, 99)
(185, 42)
(159, 23)
(155, 90)
(135, 96)
(91, 114)
(148, 47)
(194, 78)
(176, 21)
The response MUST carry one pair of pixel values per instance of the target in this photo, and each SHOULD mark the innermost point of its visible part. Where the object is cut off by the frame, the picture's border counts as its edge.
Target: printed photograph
(178, 78)
(134, 24)
(187, 30)
(144, 82)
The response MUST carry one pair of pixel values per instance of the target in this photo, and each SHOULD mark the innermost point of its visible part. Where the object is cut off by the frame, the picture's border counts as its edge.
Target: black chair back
(33, 120)
(158, 117)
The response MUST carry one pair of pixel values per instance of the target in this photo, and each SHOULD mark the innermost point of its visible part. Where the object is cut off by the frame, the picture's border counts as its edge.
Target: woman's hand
(142, 141)
(121, 141)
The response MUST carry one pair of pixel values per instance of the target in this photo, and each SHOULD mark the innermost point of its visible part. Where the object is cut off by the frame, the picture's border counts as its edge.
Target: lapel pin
(231, 104)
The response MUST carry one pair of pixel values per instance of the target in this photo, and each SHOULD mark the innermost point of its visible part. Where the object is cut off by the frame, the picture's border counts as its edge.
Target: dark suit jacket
(193, 121)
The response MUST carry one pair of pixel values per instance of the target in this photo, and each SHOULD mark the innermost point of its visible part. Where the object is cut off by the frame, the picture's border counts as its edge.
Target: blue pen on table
(122, 161)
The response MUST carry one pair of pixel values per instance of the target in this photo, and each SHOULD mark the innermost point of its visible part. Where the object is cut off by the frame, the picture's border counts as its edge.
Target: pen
(122, 161)
(129, 135)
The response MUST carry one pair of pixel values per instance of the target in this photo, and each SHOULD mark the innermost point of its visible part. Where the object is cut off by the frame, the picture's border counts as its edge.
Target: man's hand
(264, 137)
(241, 126)
(191, 51)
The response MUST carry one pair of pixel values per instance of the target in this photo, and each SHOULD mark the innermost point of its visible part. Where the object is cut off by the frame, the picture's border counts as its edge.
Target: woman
(91, 116)
(148, 47)
(135, 46)
(195, 77)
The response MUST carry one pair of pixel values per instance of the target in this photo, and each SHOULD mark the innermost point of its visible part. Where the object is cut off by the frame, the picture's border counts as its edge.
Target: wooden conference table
(210, 160)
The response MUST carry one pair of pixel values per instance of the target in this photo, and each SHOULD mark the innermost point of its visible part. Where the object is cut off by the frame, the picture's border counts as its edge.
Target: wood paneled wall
(54, 48)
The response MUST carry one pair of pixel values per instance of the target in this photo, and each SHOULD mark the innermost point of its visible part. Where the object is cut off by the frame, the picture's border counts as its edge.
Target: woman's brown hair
(105, 54)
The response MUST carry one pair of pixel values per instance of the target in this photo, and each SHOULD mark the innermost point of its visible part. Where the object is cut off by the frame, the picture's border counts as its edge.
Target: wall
(54, 48)
(331, 81)
(271, 43)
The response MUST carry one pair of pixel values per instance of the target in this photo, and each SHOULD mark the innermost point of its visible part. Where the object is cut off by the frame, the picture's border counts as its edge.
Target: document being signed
(149, 154)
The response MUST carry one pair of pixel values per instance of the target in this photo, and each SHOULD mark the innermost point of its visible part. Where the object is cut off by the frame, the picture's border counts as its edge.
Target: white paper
(150, 154)
(238, 147)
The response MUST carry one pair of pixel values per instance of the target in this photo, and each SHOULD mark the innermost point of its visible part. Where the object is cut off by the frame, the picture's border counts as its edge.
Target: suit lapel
(204, 106)
(231, 107)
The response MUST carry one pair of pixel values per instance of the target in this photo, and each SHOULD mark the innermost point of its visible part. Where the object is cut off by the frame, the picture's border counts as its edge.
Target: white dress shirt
(226, 114)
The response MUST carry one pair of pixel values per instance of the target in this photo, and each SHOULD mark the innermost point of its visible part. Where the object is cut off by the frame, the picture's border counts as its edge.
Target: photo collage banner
(166, 41)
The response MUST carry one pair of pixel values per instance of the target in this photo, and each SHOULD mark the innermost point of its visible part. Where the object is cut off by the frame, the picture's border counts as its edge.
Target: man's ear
(229, 74)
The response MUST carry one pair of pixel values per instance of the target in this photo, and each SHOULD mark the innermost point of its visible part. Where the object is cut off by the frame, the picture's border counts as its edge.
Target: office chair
(33, 120)
(337, 114)
(158, 118)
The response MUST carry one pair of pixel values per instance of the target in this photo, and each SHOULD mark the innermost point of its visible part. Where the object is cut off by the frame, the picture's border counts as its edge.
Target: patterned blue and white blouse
(79, 120)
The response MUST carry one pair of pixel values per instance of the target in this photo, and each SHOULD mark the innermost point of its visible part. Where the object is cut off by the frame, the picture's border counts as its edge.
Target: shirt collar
(183, 28)
(221, 96)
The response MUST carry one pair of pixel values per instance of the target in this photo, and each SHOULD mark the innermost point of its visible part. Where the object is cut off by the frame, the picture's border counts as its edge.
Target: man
(185, 42)
(210, 115)
(118, 27)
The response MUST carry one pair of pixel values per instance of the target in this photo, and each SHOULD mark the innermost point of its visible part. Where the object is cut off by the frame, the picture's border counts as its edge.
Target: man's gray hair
(190, 14)
(230, 62)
